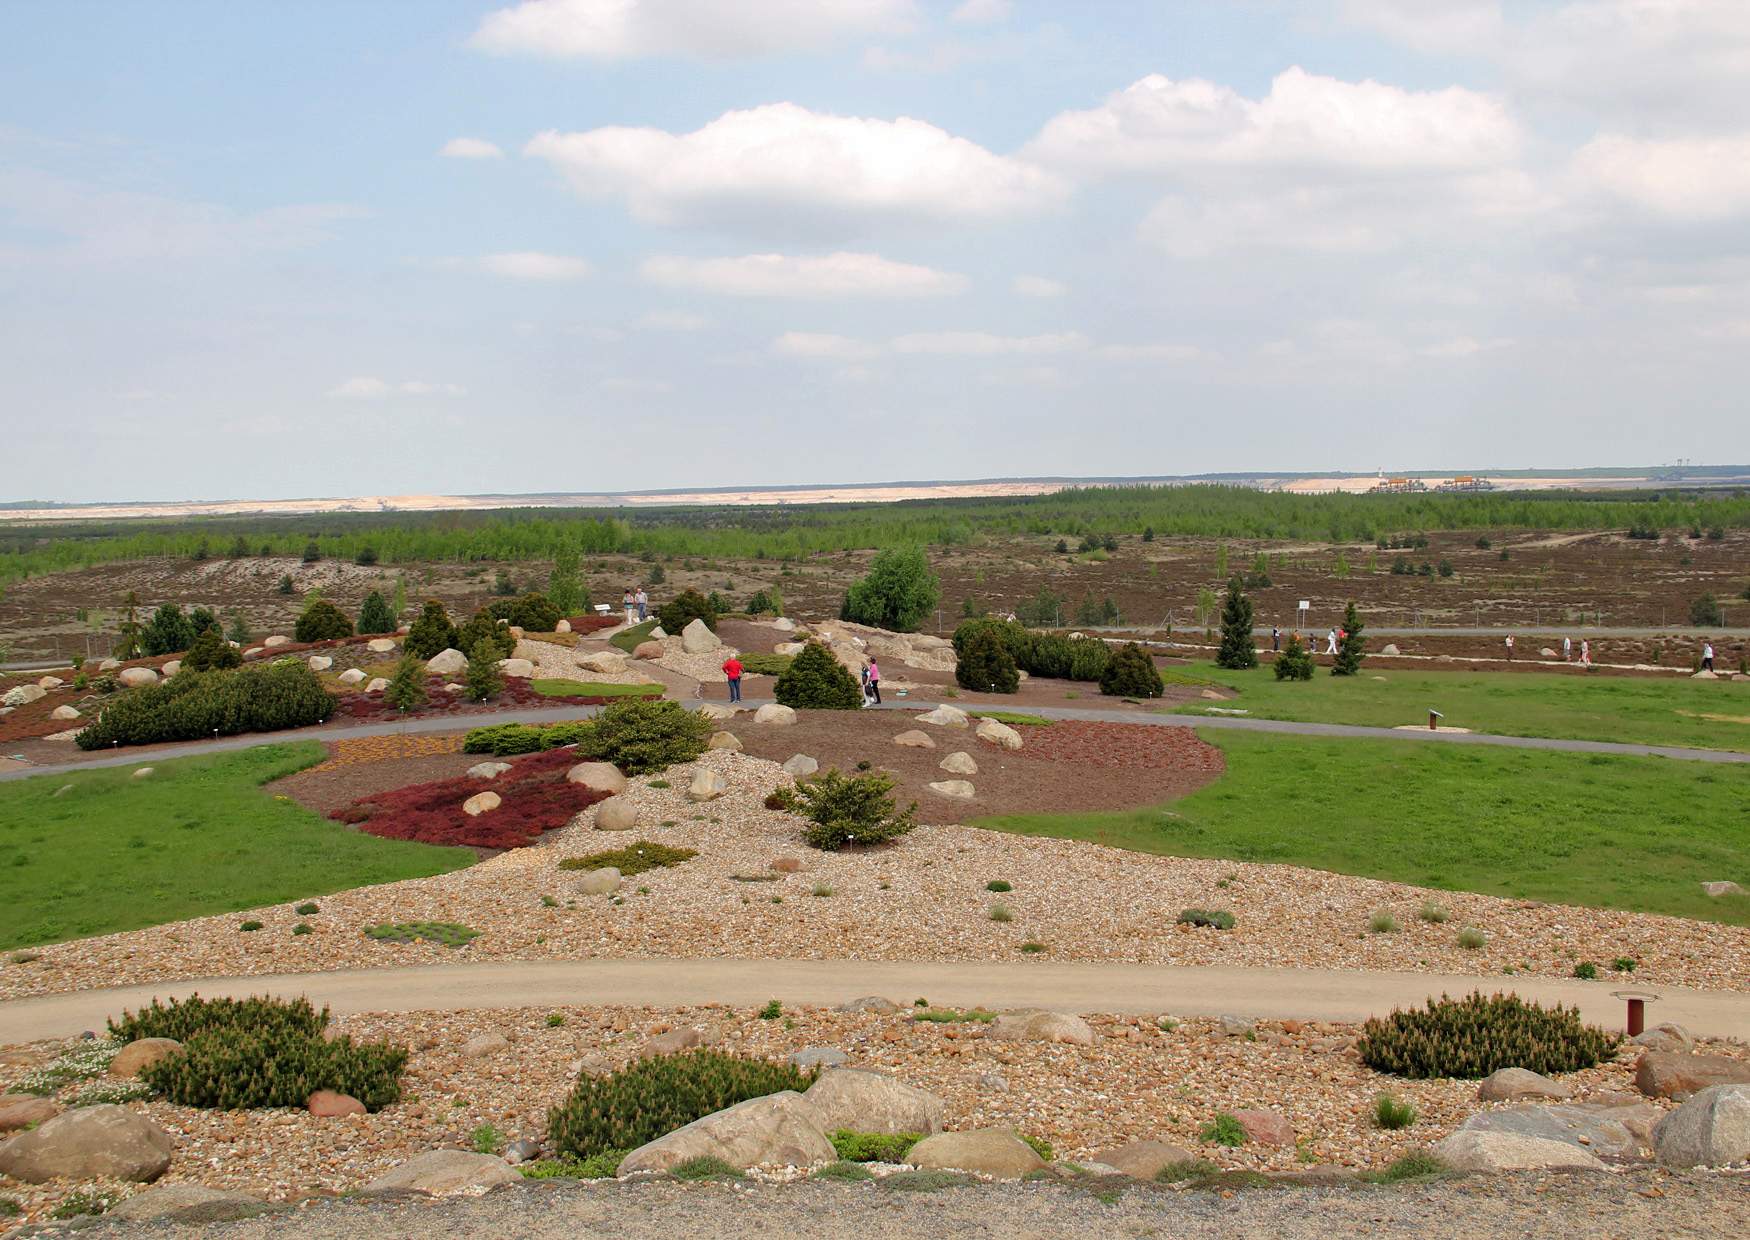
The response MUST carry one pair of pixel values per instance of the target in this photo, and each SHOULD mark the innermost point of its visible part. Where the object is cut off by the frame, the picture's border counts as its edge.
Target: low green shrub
(653, 1096)
(706, 1167)
(987, 666)
(505, 739)
(683, 609)
(431, 632)
(844, 1170)
(816, 680)
(632, 859)
(758, 663)
(249, 926)
(1295, 662)
(1224, 1129)
(771, 1011)
(1472, 939)
(406, 688)
(1416, 1165)
(1382, 922)
(1196, 1169)
(481, 627)
(197, 705)
(602, 1166)
(1392, 1113)
(999, 885)
(443, 933)
(486, 1139)
(952, 1016)
(641, 735)
(82, 1202)
(1623, 964)
(181, 1019)
(1586, 971)
(321, 621)
(1214, 919)
(211, 653)
(534, 612)
(1040, 1145)
(1470, 1038)
(881, 1147)
(850, 810)
(1131, 673)
(307, 908)
(924, 1180)
(1434, 914)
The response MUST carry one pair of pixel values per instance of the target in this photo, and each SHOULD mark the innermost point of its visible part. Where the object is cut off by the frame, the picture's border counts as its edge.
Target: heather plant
(657, 1095)
(815, 680)
(1131, 673)
(850, 810)
(1475, 1036)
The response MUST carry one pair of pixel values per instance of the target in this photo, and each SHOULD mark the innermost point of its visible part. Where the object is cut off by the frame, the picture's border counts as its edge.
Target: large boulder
(166, 670)
(487, 770)
(444, 1172)
(998, 734)
(140, 1054)
(1667, 1074)
(707, 785)
(958, 789)
(520, 669)
(800, 765)
(1665, 1037)
(719, 710)
(380, 645)
(1036, 1026)
(697, 638)
(89, 1143)
(616, 814)
(1614, 1132)
(351, 676)
(278, 639)
(481, 803)
(135, 677)
(1144, 1160)
(1513, 1084)
(24, 695)
(190, 1204)
(866, 1101)
(601, 882)
(915, 739)
(597, 777)
(1471, 1150)
(959, 763)
(996, 1152)
(947, 717)
(774, 712)
(320, 662)
(25, 1111)
(447, 663)
(63, 713)
(55, 682)
(606, 662)
(724, 740)
(1712, 1129)
(776, 1130)
(674, 1041)
(648, 650)
(789, 648)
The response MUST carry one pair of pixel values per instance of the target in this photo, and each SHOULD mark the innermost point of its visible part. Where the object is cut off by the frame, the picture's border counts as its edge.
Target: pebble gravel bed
(923, 900)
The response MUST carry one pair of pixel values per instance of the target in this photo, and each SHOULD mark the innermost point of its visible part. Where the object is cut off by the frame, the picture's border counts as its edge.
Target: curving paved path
(554, 714)
(1080, 986)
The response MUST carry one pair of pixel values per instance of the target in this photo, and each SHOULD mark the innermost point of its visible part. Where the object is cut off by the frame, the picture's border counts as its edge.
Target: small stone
(377, 685)
(707, 785)
(517, 669)
(1512, 1084)
(957, 789)
(351, 676)
(959, 763)
(724, 740)
(487, 770)
(775, 713)
(446, 662)
(946, 716)
(674, 1042)
(145, 772)
(787, 865)
(136, 677)
(484, 1044)
(1037, 1026)
(1236, 1027)
(870, 1003)
(443, 1172)
(602, 882)
(141, 1054)
(1266, 1127)
(331, 1104)
(999, 734)
(616, 814)
(523, 1150)
(63, 712)
(915, 739)
(800, 765)
(1718, 889)
(321, 662)
(380, 645)
(1665, 1037)
(481, 803)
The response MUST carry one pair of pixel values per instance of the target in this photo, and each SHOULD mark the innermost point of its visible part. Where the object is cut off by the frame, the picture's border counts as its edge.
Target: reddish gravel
(1128, 746)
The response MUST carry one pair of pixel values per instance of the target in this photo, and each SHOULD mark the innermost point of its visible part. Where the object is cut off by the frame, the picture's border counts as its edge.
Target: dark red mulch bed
(536, 798)
(438, 702)
(1135, 746)
(593, 623)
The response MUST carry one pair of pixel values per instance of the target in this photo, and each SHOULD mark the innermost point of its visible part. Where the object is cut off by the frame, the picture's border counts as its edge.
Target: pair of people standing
(636, 604)
(872, 683)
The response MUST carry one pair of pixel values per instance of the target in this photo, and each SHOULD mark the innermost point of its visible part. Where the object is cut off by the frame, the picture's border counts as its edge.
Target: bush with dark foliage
(987, 666)
(1131, 673)
(641, 735)
(194, 705)
(815, 680)
(322, 621)
(1475, 1036)
(432, 633)
(211, 653)
(683, 609)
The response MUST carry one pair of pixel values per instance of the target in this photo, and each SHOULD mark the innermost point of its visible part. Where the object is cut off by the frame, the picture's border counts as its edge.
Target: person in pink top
(875, 679)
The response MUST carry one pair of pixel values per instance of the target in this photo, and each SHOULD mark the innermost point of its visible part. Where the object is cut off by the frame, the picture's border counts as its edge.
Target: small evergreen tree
(406, 690)
(1351, 650)
(202, 618)
(986, 666)
(432, 633)
(898, 592)
(1237, 649)
(484, 679)
(683, 609)
(239, 629)
(816, 680)
(1704, 612)
(168, 632)
(375, 616)
(1294, 663)
(285, 585)
(1131, 673)
(656, 575)
(239, 548)
(367, 556)
(211, 652)
(128, 640)
(312, 552)
(322, 621)
(482, 627)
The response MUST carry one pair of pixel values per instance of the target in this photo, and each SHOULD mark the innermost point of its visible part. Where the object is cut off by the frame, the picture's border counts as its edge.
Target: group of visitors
(732, 672)
(637, 605)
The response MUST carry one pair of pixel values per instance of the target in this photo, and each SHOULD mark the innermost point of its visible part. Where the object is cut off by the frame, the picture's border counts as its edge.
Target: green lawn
(579, 688)
(1632, 833)
(1704, 714)
(199, 836)
(628, 641)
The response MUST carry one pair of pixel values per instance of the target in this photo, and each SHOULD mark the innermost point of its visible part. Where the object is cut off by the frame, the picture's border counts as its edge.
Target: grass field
(1703, 714)
(579, 688)
(199, 836)
(1631, 833)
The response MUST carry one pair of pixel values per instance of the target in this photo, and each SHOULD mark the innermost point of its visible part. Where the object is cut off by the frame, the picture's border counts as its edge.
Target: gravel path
(1563, 1207)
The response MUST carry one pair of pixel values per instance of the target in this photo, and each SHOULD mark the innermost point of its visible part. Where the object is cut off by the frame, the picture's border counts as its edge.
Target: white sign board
(1305, 605)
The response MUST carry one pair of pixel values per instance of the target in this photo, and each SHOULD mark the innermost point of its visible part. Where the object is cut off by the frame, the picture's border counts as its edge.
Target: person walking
(1509, 647)
(1331, 643)
(1275, 638)
(732, 673)
(643, 601)
(1567, 648)
(1585, 652)
(1707, 656)
(629, 605)
(874, 670)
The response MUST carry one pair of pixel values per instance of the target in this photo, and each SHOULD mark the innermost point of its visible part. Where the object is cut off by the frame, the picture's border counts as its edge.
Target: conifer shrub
(504, 739)
(632, 859)
(167, 632)
(766, 603)
(987, 666)
(1295, 662)
(1352, 649)
(534, 612)
(376, 616)
(483, 679)
(1237, 649)
(1472, 1037)
(406, 688)
(321, 621)
(259, 1052)
(815, 680)
(641, 735)
(194, 705)
(481, 627)
(211, 653)
(431, 633)
(849, 810)
(655, 1096)
(1131, 673)
(684, 608)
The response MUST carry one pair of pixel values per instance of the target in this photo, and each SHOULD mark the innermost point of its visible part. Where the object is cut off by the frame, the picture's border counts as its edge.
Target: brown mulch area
(331, 785)
(1090, 767)
(746, 636)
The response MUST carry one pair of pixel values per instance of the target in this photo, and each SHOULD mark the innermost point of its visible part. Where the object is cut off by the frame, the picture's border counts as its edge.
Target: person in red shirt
(732, 670)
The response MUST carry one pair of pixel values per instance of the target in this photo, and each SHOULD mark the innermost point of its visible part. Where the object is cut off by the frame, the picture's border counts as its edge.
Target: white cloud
(988, 344)
(1038, 286)
(1441, 26)
(781, 168)
(981, 12)
(789, 275)
(1685, 179)
(824, 345)
(705, 29)
(532, 265)
(1462, 347)
(1162, 127)
(673, 321)
(637, 387)
(1158, 352)
(366, 387)
(470, 148)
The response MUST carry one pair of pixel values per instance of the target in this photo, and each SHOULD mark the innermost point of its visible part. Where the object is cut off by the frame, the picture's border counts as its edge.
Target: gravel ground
(1563, 1207)
(1136, 1081)
(558, 662)
(923, 899)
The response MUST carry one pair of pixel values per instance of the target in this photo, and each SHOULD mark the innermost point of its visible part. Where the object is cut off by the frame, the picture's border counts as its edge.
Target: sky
(332, 248)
